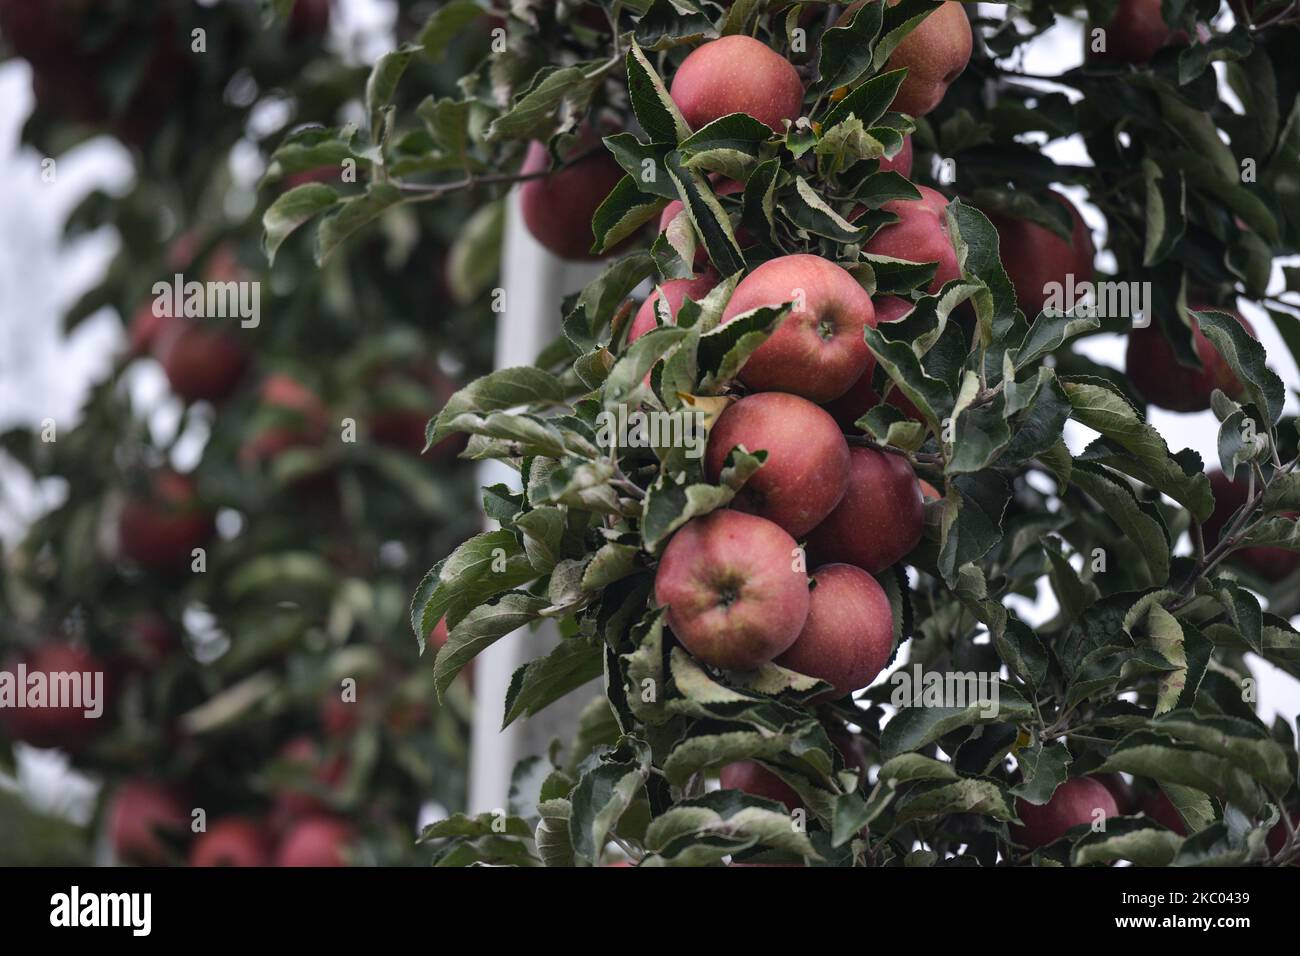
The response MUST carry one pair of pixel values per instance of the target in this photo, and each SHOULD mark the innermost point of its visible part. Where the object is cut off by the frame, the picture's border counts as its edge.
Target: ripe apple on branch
(887, 471)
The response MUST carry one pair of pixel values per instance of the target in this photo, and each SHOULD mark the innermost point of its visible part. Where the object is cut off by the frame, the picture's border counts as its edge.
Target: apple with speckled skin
(934, 54)
(558, 207)
(734, 590)
(1075, 802)
(861, 396)
(737, 74)
(1036, 257)
(674, 292)
(879, 520)
(807, 466)
(1162, 380)
(818, 351)
(920, 235)
(849, 634)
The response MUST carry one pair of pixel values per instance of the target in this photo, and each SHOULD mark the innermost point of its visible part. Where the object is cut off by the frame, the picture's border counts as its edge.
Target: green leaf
(603, 795)
(533, 113)
(668, 506)
(479, 629)
(1247, 358)
(545, 680)
(1044, 769)
(655, 110)
(914, 727)
(485, 565)
(868, 102)
(1100, 406)
(1119, 503)
(382, 84)
(1160, 757)
(1126, 839)
(708, 217)
(1166, 212)
(474, 261)
(502, 389)
(291, 210)
(352, 215)
(445, 23)
(970, 795)
(845, 51)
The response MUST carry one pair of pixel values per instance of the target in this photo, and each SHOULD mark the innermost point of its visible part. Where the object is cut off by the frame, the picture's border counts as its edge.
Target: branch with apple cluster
(843, 332)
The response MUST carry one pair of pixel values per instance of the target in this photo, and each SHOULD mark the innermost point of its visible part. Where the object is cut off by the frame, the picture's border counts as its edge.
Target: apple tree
(239, 511)
(808, 512)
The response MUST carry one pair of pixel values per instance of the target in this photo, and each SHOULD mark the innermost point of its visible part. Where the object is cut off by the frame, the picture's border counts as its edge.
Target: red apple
(231, 841)
(902, 161)
(1035, 257)
(1121, 790)
(309, 19)
(320, 772)
(861, 396)
(880, 519)
(737, 74)
(920, 235)
(202, 362)
(159, 532)
(1157, 805)
(753, 778)
(819, 350)
(934, 54)
(316, 841)
(1271, 564)
(145, 330)
(734, 592)
(849, 634)
(300, 419)
(67, 728)
(674, 292)
(149, 639)
(1073, 803)
(807, 467)
(558, 208)
(723, 187)
(1277, 837)
(1162, 380)
(138, 816)
(1134, 35)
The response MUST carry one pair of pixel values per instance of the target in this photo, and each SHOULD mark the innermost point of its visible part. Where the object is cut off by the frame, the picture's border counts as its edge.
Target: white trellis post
(535, 282)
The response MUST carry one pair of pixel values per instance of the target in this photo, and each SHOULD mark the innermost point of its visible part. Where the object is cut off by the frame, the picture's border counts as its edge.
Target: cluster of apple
(204, 361)
(733, 582)
(1078, 800)
(149, 824)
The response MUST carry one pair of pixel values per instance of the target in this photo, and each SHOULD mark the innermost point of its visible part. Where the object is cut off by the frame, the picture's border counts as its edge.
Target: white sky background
(43, 374)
